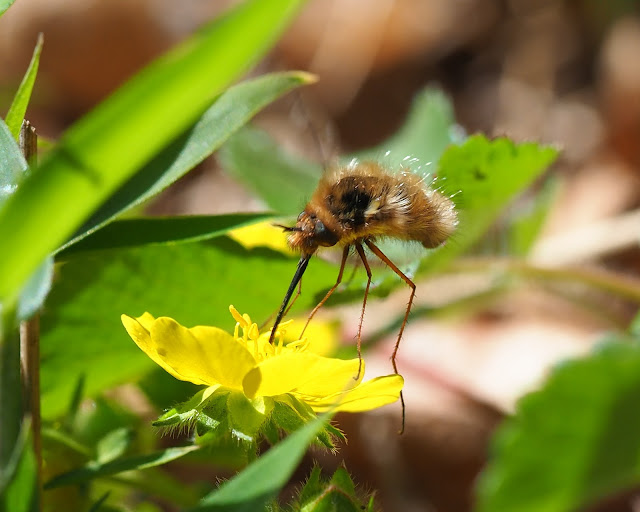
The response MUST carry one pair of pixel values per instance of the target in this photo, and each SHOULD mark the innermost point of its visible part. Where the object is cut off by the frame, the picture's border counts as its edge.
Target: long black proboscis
(302, 266)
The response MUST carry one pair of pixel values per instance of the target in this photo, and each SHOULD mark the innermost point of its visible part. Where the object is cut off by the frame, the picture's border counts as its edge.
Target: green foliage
(568, 445)
(190, 148)
(482, 176)
(260, 482)
(193, 283)
(335, 494)
(96, 468)
(106, 147)
(4, 5)
(575, 440)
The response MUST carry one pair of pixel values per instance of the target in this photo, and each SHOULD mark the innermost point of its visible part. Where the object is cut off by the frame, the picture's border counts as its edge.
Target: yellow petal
(202, 355)
(370, 395)
(302, 372)
(322, 335)
(138, 329)
(261, 234)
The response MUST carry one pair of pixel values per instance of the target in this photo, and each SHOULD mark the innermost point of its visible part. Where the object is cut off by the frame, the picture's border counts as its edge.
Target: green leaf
(430, 127)
(574, 441)
(36, 289)
(13, 167)
(320, 495)
(4, 5)
(19, 486)
(527, 223)
(193, 283)
(228, 113)
(113, 445)
(482, 176)
(285, 182)
(138, 462)
(106, 147)
(18, 107)
(261, 481)
(159, 230)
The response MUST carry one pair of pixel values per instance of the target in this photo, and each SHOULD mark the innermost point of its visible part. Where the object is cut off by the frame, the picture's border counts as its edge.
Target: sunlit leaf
(18, 107)
(573, 442)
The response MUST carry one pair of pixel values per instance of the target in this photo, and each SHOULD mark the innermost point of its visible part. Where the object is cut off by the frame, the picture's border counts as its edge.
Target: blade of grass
(4, 5)
(229, 112)
(105, 148)
(18, 107)
(95, 470)
(159, 230)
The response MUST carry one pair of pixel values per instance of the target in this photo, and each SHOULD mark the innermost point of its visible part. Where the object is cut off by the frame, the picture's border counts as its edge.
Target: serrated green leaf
(482, 176)
(105, 148)
(574, 441)
(140, 231)
(342, 480)
(228, 113)
(18, 107)
(260, 482)
(138, 462)
(193, 283)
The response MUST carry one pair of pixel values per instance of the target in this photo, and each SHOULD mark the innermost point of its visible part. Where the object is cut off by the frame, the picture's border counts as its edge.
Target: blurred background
(565, 73)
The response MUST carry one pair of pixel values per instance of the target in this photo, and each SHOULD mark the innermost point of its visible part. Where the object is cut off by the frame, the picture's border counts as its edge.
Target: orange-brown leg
(363, 257)
(374, 249)
(345, 253)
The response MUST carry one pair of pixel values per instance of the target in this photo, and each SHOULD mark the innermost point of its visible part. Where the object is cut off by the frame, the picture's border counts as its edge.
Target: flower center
(258, 344)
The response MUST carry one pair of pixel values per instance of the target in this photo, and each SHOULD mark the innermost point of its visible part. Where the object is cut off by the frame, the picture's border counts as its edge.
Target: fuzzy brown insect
(356, 204)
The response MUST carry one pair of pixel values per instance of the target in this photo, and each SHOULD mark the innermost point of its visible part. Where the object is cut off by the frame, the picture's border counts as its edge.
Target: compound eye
(323, 236)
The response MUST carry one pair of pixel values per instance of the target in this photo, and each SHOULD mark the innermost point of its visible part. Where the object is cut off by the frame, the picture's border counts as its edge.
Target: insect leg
(374, 249)
(345, 253)
(364, 304)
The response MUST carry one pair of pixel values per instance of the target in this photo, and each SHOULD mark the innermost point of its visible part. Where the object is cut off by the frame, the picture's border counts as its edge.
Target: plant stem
(30, 338)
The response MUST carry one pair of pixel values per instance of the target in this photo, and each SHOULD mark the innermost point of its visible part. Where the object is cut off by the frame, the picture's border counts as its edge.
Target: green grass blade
(137, 462)
(158, 230)
(4, 5)
(18, 107)
(105, 148)
(229, 112)
(261, 481)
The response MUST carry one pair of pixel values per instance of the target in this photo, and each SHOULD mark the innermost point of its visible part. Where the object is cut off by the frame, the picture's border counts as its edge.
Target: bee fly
(356, 204)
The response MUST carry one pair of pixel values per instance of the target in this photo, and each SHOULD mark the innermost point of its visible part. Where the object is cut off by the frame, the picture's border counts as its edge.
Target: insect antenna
(302, 266)
(374, 249)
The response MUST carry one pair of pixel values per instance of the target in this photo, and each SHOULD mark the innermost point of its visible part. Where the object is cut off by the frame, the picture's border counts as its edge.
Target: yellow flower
(261, 234)
(248, 370)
